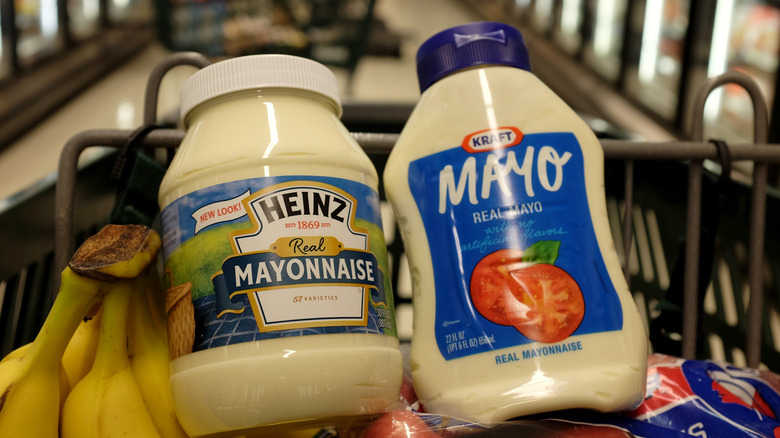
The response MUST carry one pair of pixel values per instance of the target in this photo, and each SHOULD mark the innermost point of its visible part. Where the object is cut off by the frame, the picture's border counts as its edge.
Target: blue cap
(470, 45)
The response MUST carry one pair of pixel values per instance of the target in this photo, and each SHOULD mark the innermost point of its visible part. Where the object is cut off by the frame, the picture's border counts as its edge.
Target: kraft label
(513, 247)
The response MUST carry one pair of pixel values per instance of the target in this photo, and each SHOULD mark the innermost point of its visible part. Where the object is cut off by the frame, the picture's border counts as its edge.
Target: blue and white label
(514, 251)
(280, 256)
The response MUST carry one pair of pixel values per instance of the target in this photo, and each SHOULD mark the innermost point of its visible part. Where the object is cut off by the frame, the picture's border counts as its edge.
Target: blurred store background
(631, 68)
(71, 65)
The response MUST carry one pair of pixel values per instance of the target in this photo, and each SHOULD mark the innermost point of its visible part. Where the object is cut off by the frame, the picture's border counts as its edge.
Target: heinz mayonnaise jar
(280, 307)
(520, 305)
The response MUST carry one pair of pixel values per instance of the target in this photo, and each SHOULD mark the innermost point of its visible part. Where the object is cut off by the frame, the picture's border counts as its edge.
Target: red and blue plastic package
(706, 399)
(684, 398)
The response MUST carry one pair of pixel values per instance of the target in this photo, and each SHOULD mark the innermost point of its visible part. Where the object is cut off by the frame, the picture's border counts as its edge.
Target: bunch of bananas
(99, 365)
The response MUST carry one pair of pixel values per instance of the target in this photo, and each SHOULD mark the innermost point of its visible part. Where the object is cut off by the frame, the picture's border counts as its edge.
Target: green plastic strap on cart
(138, 178)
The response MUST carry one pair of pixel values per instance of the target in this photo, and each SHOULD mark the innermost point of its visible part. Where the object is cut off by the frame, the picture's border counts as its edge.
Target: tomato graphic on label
(542, 301)
(489, 284)
(549, 304)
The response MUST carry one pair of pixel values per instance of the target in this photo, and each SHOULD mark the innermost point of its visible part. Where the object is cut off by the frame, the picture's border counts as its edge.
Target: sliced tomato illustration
(542, 301)
(490, 284)
(549, 304)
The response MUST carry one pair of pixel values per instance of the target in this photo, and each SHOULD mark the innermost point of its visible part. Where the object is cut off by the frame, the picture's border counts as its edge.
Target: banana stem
(111, 355)
(76, 297)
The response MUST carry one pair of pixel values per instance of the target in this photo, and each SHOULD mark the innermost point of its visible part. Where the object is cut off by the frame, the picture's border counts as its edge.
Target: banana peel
(65, 384)
(149, 354)
(108, 402)
(80, 353)
(30, 392)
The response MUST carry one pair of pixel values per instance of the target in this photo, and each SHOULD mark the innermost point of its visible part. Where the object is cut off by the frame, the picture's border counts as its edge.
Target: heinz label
(515, 256)
(281, 256)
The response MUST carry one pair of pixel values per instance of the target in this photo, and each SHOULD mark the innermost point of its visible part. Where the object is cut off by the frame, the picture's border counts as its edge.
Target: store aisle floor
(116, 102)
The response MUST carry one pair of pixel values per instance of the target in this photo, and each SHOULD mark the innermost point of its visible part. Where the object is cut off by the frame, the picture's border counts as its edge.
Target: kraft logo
(493, 138)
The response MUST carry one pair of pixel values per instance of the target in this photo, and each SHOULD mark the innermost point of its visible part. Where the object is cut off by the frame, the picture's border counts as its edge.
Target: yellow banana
(150, 357)
(79, 354)
(107, 401)
(81, 349)
(65, 384)
(30, 385)
(19, 352)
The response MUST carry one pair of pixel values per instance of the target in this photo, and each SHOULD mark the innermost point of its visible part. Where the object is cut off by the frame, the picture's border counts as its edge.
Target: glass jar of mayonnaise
(280, 307)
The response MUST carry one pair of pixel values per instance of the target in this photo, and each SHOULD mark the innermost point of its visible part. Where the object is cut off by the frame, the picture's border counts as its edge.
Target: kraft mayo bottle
(280, 308)
(520, 305)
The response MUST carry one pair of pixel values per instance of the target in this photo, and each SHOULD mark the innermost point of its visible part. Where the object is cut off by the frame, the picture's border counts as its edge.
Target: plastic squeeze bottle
(280, 308)
(520, 305)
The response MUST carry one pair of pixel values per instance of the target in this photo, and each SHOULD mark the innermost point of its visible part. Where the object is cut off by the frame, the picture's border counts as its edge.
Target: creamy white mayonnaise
(271, 218)
(493, 180)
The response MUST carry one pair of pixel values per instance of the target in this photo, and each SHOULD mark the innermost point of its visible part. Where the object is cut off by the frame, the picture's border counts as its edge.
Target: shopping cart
(701, 261)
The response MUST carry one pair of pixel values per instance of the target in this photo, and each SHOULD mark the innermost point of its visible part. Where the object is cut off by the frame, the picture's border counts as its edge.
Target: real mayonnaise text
(280, 308)
(520, 304)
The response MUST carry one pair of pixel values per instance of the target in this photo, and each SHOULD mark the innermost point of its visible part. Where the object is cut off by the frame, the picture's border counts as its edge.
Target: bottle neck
(468, 70)
(302, 99)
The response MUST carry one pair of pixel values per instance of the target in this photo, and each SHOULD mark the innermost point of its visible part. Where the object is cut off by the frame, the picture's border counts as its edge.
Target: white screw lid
(259, 71)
